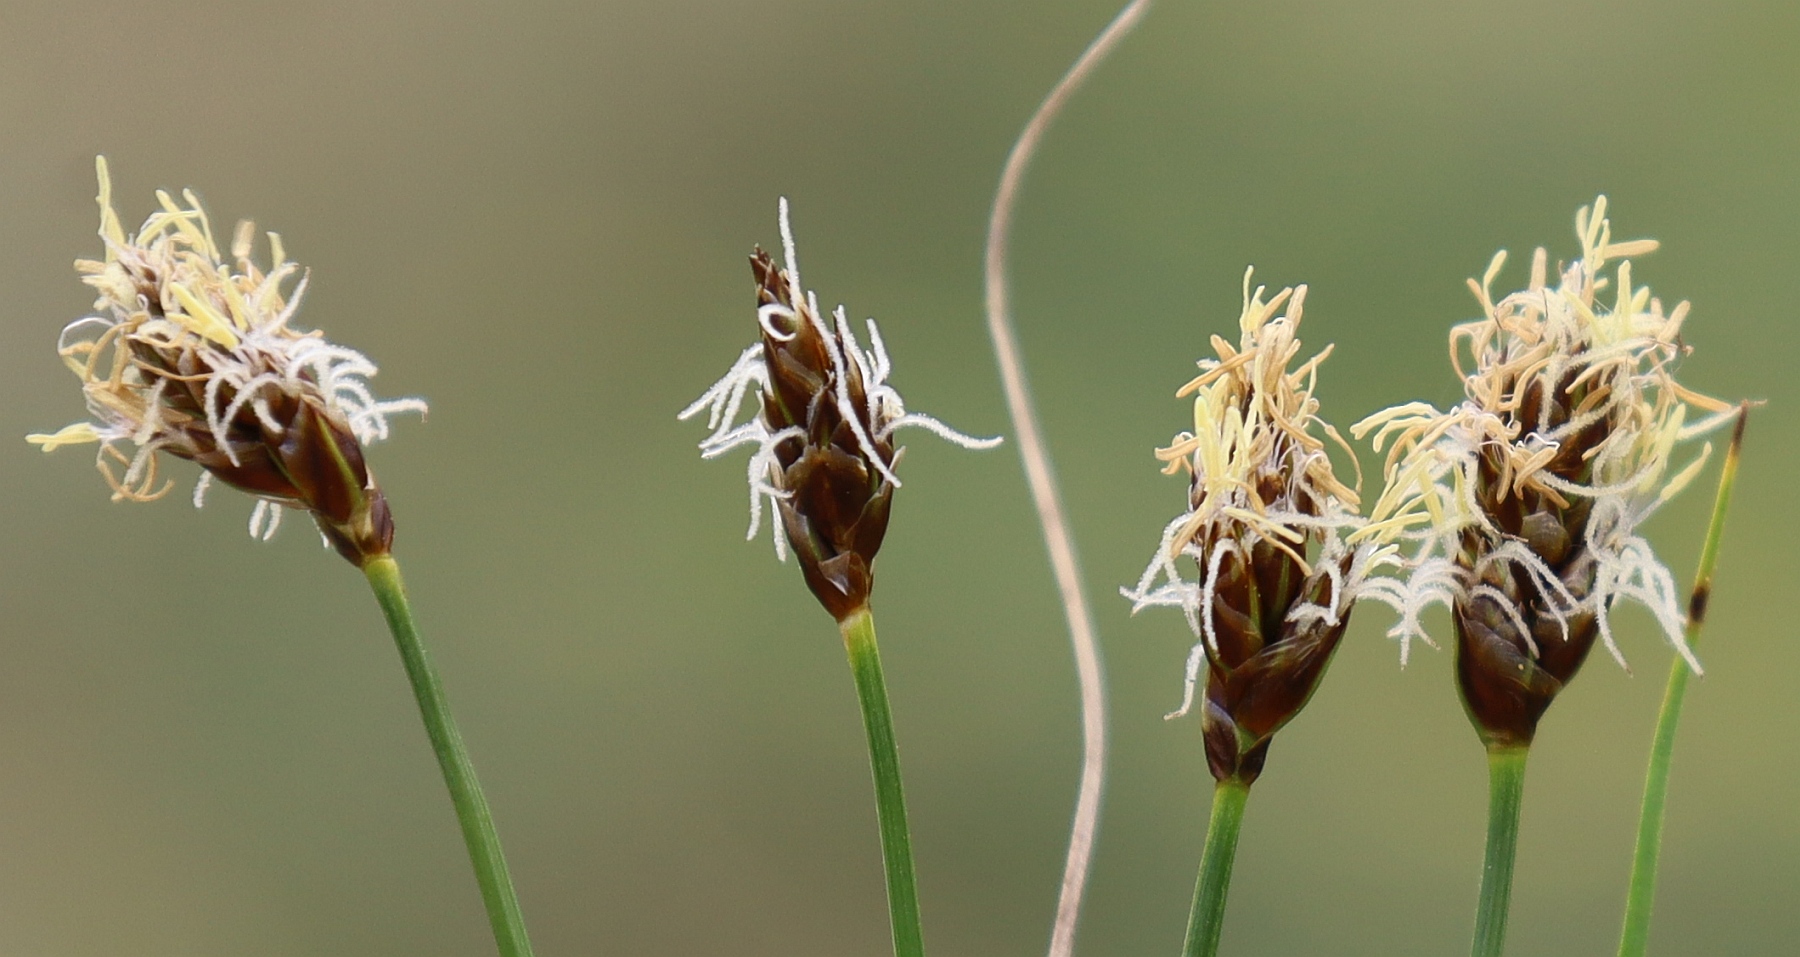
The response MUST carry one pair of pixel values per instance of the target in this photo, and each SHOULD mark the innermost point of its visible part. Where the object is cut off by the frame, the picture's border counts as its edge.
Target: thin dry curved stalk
(1038, 474)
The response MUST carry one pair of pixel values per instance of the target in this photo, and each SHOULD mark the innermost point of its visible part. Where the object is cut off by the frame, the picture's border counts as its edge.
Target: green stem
(459, 775)
(1506, 788)
(1208, 915)
(1635, 937)
(1641, 892)
(858, 629)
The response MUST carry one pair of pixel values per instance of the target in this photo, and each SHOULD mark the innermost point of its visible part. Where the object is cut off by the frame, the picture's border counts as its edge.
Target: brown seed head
(1525, 498)
(824, 433)
(1273, 580)
(192, 355)
(834, 460)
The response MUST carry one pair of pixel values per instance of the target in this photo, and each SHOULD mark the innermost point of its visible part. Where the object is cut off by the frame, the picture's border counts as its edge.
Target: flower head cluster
(1524, 500)
(823, 432)
(1265, 526)
(195, 355)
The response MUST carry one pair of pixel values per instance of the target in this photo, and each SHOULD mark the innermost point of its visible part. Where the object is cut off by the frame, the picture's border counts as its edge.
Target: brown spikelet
(835, 511)
(823, 432)
(294, 451)
(1267, 666)
(191, 353)
(1508, 677)
(1525, 498)
(1274, 580)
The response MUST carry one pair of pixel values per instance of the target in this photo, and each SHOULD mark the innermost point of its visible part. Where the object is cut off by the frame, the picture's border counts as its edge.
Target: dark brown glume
(835, 510)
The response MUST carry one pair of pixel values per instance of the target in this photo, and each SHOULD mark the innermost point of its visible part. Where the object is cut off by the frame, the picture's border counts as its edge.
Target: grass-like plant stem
(1506, 789)
(1208, 915)
(858, 629)
(459, 775)
(1635, 937)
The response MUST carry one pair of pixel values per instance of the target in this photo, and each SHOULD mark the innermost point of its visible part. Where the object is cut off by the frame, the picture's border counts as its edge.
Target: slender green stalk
(1506, 787)
(1635, 937)
(459, 775)
(1208, 915)
(890, 803)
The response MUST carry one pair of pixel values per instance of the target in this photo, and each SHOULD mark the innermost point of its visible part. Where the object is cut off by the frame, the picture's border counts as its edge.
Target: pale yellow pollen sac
(1611, 360)
(110, 231)
(202, 319)
(1256, 429)
(80, 433)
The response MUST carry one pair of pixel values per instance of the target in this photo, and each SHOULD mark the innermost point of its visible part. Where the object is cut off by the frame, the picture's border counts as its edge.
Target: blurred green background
(535, 215)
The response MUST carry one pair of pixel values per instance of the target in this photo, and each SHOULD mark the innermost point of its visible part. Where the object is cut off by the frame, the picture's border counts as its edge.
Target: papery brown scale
(1236, 631)
(1227, 757)
(320, 454)
(830, 489)
(835, 526)
(1506, 689)
(830, 428)
(871, 527)
(798, 366)
(796, 385)
(322, 458)
(1277, 575)
(1269, 689)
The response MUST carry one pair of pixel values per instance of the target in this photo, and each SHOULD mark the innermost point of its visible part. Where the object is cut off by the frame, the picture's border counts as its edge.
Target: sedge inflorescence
(196, 355)
(1523, 501)
(823, 431)
(1265, 534)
